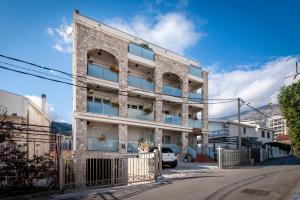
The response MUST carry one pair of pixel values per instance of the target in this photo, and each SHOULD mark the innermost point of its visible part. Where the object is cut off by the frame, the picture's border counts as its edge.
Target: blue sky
(250, 45)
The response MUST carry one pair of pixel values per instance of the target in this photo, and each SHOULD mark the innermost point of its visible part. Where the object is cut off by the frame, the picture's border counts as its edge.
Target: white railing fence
(231, 158)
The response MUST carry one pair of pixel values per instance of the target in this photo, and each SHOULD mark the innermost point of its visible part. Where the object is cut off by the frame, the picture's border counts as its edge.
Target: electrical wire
(97, 89)
(248, 104)
(73, 76)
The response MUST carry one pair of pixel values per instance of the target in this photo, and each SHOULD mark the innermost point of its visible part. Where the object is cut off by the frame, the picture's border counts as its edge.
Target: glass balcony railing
(174, 147)
(172, 119)
(195, 123)
(99, 71)
(94, 144)
(101, 108)
(196, 71)
(196, 97)
(140, 114)
(132, 146)
(171, 91)
(141, 52)
(140, 83)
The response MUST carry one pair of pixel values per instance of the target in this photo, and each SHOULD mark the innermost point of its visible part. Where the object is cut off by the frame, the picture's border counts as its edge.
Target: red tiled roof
(282, 137)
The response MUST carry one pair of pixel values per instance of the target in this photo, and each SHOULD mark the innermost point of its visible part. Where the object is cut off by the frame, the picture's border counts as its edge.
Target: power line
(73, 76)
(248, 104)
(39, 66)
(97, 89)
(32, 70)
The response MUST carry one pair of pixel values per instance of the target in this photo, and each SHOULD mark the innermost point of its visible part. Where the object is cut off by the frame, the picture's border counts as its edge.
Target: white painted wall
(14, 103)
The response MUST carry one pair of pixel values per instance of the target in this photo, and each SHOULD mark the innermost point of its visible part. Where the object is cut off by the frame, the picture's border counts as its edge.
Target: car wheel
(174, 164)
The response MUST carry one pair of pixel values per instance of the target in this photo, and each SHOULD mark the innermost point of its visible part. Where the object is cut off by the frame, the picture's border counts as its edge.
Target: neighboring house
(21, 110)
(63, 132)
(283, 139)
(137, 93)
(278, 124)
(224, 128)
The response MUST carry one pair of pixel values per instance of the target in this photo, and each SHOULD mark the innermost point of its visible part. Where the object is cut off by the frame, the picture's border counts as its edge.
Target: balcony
(195, 97)
(140, 114)
(102, 72)
(94, 144)
(141, 52)
(171, 91)
(140, 83)
(196, 71)
(172, 119)
(195, 123)
(102, 108)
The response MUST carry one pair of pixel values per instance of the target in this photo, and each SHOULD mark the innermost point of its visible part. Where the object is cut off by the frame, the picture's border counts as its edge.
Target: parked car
(168, 157)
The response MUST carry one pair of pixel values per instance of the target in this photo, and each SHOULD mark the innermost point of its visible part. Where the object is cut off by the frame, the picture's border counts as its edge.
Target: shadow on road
(290, 160)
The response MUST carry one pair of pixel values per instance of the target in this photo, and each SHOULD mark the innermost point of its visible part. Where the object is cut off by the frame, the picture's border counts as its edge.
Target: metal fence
(119, 169)
(231, 158)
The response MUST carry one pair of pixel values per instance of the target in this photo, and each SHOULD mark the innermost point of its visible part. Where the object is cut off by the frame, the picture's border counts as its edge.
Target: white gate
(231, 158)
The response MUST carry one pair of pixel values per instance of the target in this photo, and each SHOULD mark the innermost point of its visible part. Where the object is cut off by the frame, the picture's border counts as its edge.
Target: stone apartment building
(131, 95)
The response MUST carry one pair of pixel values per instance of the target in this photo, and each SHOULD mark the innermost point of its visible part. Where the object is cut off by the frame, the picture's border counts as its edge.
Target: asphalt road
(275, 179)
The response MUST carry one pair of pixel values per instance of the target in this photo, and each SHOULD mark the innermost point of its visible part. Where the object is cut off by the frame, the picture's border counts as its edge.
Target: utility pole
(239, 125)
(27, 134)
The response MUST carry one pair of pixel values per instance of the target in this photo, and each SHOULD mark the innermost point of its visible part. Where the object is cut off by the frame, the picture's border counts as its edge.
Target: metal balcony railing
(100, 71)
(141, 52)
(102, 108)
(140, 83)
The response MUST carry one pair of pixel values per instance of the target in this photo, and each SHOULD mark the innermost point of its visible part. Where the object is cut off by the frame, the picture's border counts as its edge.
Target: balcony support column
(184, 140)
(185, 106)
(80, 148)
(158, 137)
(204, 113)
(158, 109)
(123, 138)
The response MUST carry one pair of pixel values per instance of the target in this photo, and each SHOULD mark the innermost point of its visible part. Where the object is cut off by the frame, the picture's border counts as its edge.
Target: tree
(16, 169)
(289, 101)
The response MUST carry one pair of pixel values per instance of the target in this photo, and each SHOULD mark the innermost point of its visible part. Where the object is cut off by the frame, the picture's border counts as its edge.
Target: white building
(219, 128)
(278, 124)
(21, 110)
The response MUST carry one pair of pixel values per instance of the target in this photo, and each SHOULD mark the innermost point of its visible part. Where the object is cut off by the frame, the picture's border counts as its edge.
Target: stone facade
(89, 36)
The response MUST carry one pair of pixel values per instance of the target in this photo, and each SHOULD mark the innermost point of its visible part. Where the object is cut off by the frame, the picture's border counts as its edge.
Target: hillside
(255, 116)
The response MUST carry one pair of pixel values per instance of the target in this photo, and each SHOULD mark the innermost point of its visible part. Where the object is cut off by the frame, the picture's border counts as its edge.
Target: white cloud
(259, 86)
(61, 37)
(49, 108)
(173, 30)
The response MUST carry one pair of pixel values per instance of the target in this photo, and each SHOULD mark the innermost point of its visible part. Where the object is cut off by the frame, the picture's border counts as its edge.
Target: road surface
(275, 179)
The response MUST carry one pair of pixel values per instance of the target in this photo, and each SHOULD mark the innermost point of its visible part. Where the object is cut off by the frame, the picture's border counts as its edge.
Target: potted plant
(147, 111)
(150, 79)
(114, 69)
(114, 104)
(101, 137)
(143, 146)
